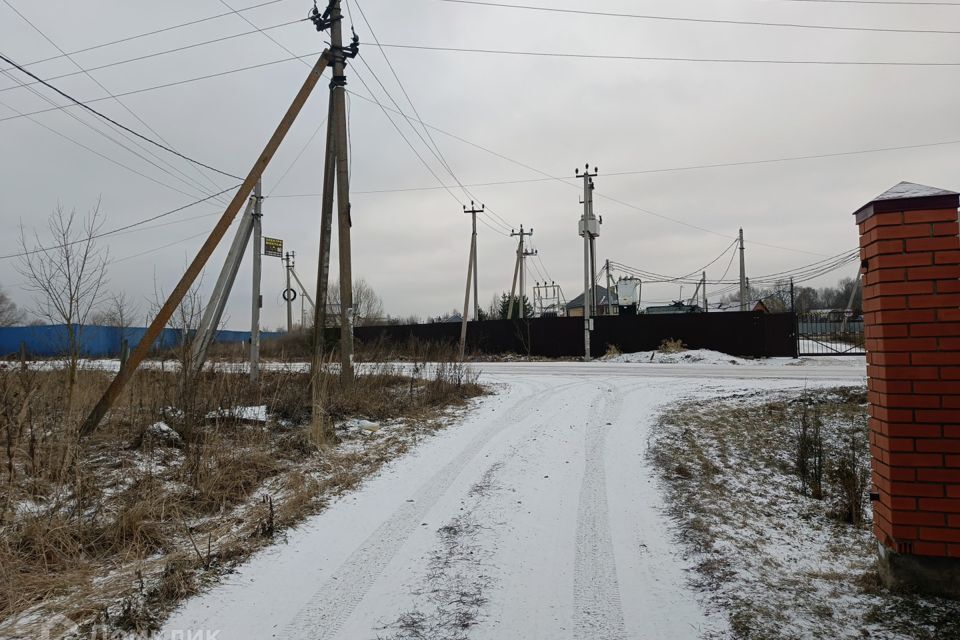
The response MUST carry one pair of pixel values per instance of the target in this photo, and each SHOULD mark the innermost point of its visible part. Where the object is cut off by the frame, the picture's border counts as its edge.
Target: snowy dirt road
(536, 516)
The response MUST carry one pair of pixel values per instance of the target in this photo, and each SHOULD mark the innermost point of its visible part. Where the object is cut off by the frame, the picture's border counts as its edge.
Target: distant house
(575, 306)
(450, 317)
(752, 305)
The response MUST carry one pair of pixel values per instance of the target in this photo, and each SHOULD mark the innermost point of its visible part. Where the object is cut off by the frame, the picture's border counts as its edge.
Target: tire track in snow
(597, 611)
(336, 599)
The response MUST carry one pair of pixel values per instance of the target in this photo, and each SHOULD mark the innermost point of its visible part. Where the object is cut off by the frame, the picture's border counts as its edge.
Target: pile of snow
(709, 357)
(692, 356)
(247, 414)
(359, 426)
(162, 432)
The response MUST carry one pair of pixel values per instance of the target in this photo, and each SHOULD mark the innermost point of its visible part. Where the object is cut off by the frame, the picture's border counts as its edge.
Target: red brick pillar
(910, 249)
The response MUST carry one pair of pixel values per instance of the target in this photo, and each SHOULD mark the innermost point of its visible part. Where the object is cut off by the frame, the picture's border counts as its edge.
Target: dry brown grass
(671, 345)
(115, 528)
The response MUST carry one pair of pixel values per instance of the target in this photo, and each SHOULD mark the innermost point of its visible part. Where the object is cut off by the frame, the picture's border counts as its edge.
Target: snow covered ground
(537, 517)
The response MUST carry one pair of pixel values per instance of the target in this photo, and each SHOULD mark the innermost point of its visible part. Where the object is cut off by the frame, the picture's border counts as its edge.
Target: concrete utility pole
(289, 294)
(589, 229)
(522, 254)
(213, 312)
(200, 260)
(473, 211)
(256, 299)
(523, 275)
(516, 273)
(466, 297)
(338, 85)
(336, 174)
(609, 289)
(743, 276)
(704, 291)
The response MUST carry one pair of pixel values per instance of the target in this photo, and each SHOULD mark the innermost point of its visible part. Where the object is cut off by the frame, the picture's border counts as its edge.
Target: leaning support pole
(213, 313)
(176, 296)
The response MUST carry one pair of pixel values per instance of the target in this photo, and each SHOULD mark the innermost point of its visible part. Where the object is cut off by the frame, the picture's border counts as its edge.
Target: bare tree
(117, 311)
(367, 305)
(67, 274)
(10, 315)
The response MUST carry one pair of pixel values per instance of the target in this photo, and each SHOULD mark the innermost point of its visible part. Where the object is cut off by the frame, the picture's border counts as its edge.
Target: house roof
(601, 294)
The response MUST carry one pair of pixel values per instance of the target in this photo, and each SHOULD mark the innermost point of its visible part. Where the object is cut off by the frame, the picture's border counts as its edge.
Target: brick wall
(911, 300)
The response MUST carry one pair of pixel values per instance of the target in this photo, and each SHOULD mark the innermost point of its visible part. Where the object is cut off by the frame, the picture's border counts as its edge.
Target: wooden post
(188, 278)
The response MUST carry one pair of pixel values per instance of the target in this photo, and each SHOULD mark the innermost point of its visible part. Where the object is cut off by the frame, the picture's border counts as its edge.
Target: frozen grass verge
(187, 477)
(769, 495)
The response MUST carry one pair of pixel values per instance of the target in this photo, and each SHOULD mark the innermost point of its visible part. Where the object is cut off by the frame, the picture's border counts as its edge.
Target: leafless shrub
(672, 345)
(808, 450)
(849, 478)
(67, 273)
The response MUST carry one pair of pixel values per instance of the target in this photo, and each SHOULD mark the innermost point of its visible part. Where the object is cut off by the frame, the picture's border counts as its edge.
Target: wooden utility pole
(196, 266)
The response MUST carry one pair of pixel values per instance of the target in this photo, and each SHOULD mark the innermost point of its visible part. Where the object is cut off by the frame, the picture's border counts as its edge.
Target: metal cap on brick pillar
(910, 251)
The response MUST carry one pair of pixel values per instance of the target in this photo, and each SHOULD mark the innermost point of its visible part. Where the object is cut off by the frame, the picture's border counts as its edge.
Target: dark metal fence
(830, 336)
(747, 334)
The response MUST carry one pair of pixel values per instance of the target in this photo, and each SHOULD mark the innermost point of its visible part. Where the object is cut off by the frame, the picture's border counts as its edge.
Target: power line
(118, 229)
(200, 187)
(112, 121)
(598, 56)
(157, 53)
(881, 2)
(426, 130)
(175, 83)
(750, 23)
(94, 151)
(739, 163)
(148, 33)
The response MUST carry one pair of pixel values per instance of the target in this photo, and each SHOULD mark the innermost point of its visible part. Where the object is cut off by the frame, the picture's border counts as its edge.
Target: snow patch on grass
(780, 562)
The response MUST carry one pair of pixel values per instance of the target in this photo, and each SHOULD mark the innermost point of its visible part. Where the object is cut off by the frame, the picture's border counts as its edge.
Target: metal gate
(830, 334)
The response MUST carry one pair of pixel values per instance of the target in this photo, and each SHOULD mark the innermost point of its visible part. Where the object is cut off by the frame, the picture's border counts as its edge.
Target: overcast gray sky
(550, 113)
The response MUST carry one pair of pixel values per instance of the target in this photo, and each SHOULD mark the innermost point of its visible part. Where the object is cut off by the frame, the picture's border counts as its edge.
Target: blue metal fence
(95, 341)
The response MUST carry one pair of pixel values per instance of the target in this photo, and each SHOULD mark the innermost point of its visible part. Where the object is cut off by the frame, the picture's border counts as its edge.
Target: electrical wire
(98, 153)
(298, 156)
(739, 163)
(33, 26)
(118, 229)
(157, 53)
(599, 56)
(438, 153)
(148, 33)
(114, 122)
(749, 23)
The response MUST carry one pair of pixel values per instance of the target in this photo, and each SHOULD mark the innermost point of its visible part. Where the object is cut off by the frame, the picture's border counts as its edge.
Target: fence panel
(825, 336)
